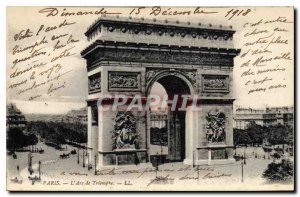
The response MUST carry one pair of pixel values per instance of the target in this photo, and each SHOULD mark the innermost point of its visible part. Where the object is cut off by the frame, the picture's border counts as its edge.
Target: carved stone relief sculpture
(94, 83)
(124, 80)
(215, 83)
(125, 132)
(215, 127)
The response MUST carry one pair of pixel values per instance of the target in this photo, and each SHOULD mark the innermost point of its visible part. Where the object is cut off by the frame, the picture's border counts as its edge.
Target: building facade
(76, 116)
(127, 56)
(269, 116)
(14, 117)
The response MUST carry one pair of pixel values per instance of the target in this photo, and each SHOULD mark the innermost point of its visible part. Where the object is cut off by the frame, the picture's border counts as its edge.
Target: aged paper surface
(150, 98)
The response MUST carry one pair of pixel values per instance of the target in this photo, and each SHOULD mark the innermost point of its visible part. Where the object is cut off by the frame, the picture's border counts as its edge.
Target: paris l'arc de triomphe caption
(127, 56)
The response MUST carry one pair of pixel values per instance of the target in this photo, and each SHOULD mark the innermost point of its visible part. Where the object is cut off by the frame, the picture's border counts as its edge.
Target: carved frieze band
(94, 83)
(157, 56)
(127, 81)
(215, 83)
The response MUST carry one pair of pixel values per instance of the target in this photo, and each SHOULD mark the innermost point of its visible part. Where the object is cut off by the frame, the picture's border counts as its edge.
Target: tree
(31, 139)
(279, 172)
(15, 138)
(240, 137)
(277, 134)
(58, 132)
(255, 134)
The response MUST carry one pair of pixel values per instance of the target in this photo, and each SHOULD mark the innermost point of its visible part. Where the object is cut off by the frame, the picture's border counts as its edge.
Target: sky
(74, 97)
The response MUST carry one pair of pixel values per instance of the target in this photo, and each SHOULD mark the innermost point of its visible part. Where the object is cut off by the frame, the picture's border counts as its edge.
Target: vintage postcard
(150, 99)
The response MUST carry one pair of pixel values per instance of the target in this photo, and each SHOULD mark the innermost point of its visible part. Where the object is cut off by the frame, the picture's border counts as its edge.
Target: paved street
(61, 173)
(51, 155)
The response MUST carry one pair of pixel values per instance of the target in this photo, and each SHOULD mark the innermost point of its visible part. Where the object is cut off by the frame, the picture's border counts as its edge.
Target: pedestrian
(18, 168)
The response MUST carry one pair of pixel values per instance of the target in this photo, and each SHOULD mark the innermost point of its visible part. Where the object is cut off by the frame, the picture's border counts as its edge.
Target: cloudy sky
(74, 96)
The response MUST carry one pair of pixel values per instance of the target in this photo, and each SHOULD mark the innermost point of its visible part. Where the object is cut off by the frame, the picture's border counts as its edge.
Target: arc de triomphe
(127, 56)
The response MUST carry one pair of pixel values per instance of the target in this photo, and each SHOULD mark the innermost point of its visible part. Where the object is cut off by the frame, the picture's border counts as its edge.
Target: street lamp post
(245, 156)
(95, 164)
(86, 152)
(198, 173)
(30, 160)
(161, 151)
(156, 167)
(256, 152)
(83, 163)
(78, 155)
(242, 164)
(40, 169)
(193, 159)
(88, 161)
(30, 163)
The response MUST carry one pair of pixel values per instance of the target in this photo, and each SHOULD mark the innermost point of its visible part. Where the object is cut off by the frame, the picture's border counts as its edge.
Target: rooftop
(267, 110)
(155, 22)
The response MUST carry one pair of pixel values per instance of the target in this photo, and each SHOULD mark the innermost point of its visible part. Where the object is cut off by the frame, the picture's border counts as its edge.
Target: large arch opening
(168, 123)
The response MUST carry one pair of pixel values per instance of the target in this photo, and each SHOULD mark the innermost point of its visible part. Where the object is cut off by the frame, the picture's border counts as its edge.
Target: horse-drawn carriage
(34, 178)
(64, 156)
(73, 152)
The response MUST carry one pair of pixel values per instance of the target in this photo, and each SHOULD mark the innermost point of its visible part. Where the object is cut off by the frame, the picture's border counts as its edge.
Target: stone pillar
(148, 126)
(214, 152)
(229, 135)
(191, 135)
(100, 138)
(94, 133)
(90, 157)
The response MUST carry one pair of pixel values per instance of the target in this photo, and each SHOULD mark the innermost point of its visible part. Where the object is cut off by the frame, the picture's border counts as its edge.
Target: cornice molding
(104, 44)
(159, 28)
(101, 51)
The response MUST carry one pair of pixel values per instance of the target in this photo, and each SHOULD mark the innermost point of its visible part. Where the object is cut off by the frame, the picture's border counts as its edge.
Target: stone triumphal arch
(127, 56)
